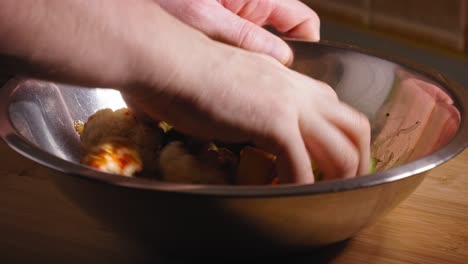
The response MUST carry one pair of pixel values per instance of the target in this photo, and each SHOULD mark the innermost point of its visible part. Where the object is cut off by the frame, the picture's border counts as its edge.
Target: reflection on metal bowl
(419, 121)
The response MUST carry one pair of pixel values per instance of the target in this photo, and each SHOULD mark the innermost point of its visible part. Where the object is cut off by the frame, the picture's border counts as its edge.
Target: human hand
(238, 96)
(240, 22)
(203, 87)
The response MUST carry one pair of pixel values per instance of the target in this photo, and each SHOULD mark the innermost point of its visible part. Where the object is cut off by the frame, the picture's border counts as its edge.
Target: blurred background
(429, 32)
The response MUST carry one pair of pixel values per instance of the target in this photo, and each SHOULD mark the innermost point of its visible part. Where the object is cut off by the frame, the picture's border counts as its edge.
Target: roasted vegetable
(178, 165)
(256, 167)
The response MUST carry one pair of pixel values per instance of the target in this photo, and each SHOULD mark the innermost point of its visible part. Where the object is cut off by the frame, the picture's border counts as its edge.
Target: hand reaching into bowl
(173, 72)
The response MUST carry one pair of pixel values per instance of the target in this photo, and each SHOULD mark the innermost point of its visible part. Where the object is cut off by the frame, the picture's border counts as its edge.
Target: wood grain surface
(39, 223)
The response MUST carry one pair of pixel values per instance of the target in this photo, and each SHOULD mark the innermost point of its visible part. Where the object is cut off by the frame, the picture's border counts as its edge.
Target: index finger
(291, 17)
(295, 19)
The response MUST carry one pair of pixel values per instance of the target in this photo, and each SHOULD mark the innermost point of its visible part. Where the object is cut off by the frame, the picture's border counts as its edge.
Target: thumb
(242, 33)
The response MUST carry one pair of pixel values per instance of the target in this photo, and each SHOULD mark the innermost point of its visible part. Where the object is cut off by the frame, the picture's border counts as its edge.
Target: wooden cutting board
(38, 223)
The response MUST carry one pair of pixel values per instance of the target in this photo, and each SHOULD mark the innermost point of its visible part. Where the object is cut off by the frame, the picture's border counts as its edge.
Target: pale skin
(239, 23)
(184, 74)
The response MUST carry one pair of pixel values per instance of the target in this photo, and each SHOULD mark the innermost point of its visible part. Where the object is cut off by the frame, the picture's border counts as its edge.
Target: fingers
(347, 141)
(330, 148)
(240, 22)
(291, 17)
(293, 162)
(295, 19)
(223, 25)
(357, 128)
(244, 34)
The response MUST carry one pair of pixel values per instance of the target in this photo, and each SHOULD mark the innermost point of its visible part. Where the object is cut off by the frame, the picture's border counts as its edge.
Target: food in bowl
(121, 143)
(122, 130)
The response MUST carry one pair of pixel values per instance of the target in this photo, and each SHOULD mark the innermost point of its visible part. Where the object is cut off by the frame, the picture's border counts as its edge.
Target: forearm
(114, 43)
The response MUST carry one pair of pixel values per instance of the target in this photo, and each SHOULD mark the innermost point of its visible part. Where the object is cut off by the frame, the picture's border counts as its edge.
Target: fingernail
(308, 31)
(317, 34)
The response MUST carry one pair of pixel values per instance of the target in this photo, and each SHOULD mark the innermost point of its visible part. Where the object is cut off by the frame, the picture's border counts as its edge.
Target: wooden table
(39, 223)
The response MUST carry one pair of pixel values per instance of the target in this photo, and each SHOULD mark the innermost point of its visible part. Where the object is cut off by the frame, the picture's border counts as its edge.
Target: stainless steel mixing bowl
(418, 117)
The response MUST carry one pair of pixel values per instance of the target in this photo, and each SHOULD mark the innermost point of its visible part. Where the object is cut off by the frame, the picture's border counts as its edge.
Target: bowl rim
(454, 147)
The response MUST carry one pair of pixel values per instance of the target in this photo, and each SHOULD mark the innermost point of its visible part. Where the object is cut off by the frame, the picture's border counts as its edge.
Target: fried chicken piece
(114, 156)
(138, 136)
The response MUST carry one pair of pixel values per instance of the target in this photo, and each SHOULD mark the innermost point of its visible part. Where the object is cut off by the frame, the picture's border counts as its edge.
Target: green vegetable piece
(372, 165)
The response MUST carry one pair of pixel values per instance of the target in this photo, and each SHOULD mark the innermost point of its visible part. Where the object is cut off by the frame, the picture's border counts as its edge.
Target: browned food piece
(256, 167)
(220, 158)
(318, 174)
(178, 165)
(106, 124)
(114, 156)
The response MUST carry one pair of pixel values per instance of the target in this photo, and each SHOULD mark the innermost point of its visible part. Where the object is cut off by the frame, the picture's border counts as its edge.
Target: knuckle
(268, 59)
(245, 36)
(329, 90)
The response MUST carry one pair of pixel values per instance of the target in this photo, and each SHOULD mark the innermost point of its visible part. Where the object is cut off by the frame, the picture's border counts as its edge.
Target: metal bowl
(418, 117)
